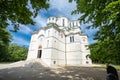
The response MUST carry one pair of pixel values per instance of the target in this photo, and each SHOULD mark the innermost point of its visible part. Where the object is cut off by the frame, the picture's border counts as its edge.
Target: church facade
(61, 42)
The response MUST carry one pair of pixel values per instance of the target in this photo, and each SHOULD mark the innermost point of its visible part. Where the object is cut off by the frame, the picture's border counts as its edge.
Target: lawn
(104, 66)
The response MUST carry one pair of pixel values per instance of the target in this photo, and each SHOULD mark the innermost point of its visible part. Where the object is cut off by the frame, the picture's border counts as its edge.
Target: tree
(100, 54)
(104, 15)
(4, 41)
(15, 53)
(18, 12)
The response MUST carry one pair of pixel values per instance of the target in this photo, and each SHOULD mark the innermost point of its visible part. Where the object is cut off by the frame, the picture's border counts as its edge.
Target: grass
(5, 62)
(104, 66)
(117, 67)
(99, 65)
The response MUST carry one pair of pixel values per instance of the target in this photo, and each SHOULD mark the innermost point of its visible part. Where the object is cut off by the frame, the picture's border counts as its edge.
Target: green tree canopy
(100, 54)
(104, 15)
(14, 53)
(18, 12)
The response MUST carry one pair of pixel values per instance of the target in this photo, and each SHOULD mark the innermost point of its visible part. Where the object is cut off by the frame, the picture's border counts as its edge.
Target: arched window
(71, 38)
(52, 18)
(70, 24)
(56, 20)
(61, 35)
(76, 24)
(63, 22)
(73, 24)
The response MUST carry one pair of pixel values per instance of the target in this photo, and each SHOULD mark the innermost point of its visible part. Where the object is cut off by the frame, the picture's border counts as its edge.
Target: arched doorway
(39, 51)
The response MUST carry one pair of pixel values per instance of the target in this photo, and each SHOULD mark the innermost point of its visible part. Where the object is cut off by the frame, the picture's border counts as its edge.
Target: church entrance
(39, 53)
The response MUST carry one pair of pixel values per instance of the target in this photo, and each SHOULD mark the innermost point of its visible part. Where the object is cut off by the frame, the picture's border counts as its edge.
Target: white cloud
(40, 21)
(64, 7)
(20, 41)
(22, 28)
(25, 29)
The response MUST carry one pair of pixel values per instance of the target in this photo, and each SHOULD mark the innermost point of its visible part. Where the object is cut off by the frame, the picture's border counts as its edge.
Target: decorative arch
(40, 36)
(87, 56)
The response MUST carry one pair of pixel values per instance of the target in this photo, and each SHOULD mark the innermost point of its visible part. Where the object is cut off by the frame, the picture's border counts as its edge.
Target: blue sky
(57, 8)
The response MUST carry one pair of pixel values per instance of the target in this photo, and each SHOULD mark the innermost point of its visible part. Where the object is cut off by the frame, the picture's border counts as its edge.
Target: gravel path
(36, 71)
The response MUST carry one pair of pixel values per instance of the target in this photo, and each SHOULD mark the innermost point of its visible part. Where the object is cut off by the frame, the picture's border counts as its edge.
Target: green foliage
(104, 15)
(14, 53)
(17, 53)
(101, 53)
(18, 12)
(4, 41)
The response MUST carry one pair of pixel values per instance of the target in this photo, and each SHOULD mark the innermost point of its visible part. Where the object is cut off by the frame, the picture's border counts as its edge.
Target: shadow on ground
(35, 71)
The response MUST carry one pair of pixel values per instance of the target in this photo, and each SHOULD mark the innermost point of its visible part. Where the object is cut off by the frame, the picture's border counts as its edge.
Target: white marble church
(61, 42)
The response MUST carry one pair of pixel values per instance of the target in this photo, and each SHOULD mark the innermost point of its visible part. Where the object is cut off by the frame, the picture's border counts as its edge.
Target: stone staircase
(39, 61)
(27, 63)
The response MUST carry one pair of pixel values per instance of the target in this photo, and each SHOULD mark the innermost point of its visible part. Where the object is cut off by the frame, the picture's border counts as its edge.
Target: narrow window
(54, 62)
(76, 24)
(55, 44)
(70, 24)
(56, 20)
(52, 18)
(63, 22)
(72, 38)
(73, 24)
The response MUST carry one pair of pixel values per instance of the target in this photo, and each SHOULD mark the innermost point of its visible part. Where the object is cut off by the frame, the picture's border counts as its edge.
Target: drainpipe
(65, 53)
